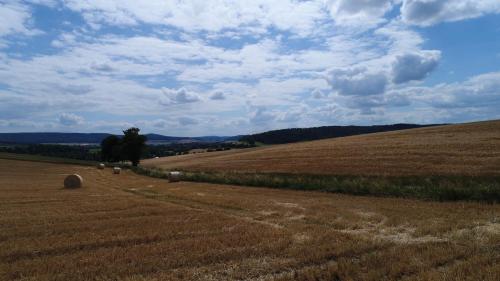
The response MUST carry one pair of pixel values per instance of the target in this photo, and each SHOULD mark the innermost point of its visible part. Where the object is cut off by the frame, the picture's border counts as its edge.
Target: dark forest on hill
(316, 133)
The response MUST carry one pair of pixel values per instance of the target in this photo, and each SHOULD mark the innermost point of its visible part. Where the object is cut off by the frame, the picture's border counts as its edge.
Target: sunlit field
(471, 149)
(443, 163)
(131, 227)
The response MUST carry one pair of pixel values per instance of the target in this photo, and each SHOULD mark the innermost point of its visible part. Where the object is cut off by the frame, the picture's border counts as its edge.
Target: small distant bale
(101, 166)
(174, 176)
(73, 181)
(117, 170)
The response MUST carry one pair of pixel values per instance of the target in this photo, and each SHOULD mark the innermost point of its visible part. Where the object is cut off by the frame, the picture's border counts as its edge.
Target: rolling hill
(463, 149)
(94, 138)
(317, 133)
(269, 137)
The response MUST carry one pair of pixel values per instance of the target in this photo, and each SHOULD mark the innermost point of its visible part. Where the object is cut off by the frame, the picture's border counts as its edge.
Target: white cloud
(261, 116)
(399, 38)
(70, 119)
(64, 40)
(178, 96)
(429, 12)
(209, 15)
(359, 12)
(414, 66)
(348, 60)
(14, 19)
(480, 92)
(292, 115)
(299, 17)
(358, 81)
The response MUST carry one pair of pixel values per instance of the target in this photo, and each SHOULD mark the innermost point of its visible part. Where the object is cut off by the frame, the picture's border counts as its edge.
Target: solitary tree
(111, 149)
(132, 145)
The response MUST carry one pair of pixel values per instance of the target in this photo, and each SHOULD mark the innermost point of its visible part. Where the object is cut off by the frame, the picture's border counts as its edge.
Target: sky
(219, 67)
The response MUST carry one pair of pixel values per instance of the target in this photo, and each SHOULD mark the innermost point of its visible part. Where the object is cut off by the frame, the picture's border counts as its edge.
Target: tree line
(316, 133)
(129, 147)
(79, 152)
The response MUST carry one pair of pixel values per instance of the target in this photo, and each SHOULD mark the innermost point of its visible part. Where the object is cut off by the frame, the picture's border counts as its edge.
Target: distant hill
(325, 132)
(270, 137)
(35, 138)
(94, 138)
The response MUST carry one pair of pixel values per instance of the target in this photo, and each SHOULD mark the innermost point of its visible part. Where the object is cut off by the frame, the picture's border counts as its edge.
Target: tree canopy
(129, 147)
(132, 145)
(110, 149)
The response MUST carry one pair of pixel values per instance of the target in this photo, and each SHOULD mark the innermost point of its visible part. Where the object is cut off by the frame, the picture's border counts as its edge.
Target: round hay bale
(101, 166)
(73, 181)
(174, 176)
(117, 170)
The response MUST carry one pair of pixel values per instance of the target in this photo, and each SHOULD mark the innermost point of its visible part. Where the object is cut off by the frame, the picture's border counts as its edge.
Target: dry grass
(468, 149)
(130, 227)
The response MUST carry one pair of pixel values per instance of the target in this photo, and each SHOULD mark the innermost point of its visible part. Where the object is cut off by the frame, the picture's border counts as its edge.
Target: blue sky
(218, 67)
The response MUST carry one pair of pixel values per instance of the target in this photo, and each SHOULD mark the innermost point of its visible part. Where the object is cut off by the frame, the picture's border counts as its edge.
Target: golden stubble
(467, 150)
(130, 227)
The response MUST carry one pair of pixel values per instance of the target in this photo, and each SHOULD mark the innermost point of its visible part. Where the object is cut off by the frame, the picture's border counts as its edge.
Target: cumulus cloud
(217, 95)
(64, 40)
(414, 66)
(370, 91)
(233, 51)
(429, 12)
(300, 17)
(260, 115)
(256, 16)
(358, 81)
(70, 119)
(178, 96)
(359, 12)
(292, 115)
(209, 15)
(14, 19)
(480, 91)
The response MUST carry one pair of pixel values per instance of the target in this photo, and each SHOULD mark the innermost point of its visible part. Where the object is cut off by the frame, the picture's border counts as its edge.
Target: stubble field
(130, 227)
(471, 149)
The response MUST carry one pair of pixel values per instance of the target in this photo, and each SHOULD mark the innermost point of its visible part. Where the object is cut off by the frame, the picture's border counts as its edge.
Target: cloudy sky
(219, 67)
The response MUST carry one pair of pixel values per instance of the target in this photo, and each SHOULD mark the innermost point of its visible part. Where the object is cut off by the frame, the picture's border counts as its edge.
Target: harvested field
(130, 227)
(471, 149)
